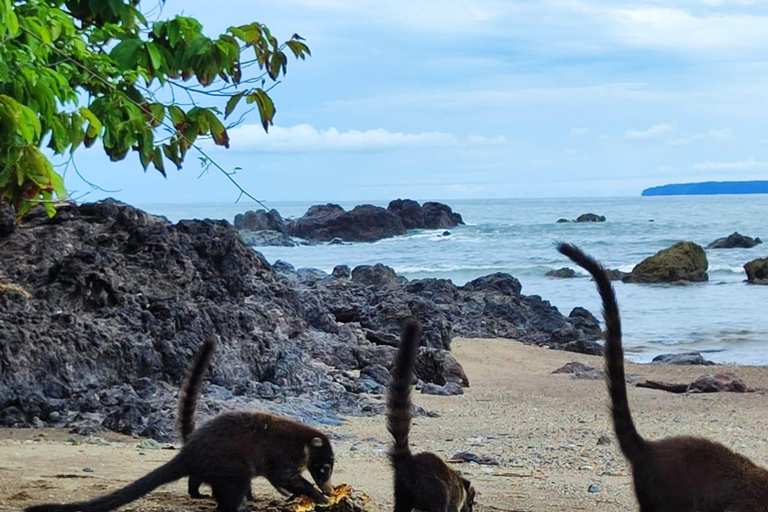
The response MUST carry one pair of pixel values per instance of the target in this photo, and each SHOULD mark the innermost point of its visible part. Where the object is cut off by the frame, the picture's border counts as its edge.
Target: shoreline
(541, 428)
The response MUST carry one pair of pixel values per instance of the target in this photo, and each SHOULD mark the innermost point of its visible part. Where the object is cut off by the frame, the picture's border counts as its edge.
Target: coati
(227, 452)
(422, 481)
(676, 474)
(190, 392)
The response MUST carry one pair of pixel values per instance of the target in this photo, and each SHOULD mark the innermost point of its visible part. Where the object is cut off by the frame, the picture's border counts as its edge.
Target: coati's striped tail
(399, 395)
(190, 391)
(632, 444)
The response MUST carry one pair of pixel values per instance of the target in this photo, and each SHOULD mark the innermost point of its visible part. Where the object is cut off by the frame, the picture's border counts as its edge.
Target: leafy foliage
(77, 72)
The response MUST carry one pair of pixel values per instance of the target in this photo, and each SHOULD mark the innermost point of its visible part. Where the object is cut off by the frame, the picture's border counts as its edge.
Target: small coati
(422, 481)
(676, 474)
(190, 392)
(227, 452)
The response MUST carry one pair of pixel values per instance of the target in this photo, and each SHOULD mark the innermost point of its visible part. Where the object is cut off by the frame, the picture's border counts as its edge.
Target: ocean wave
(727, 269)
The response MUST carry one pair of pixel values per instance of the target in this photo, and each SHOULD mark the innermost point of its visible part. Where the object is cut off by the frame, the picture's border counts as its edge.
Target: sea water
(725, 318)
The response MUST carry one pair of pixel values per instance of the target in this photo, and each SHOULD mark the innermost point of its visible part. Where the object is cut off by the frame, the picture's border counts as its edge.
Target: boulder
(260, 220)
(757, 271)
(685, 359)
(590, 217)
(365, 223)
(719, 382)
(684, 261)
(562, 273)
(341, 272)
(585, 321)
(409, 211)
(499, 282)
(615, 274)
(440, 216)
(563, 221)
(378, 275)
(734, 240)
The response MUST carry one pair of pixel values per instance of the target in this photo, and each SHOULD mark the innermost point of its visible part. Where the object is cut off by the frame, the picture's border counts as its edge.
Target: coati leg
(294, 483)
(193, 487)
(229, 494)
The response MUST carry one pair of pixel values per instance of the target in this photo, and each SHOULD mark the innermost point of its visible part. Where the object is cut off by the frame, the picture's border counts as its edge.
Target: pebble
(604, 440)
(88, 469)
(594, 488)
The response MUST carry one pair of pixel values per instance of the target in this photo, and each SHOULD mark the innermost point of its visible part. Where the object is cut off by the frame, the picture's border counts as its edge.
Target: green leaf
(126, 52)
(177, 115)
(266, 107)
(155, 56)
(218, 132)
(232, 103)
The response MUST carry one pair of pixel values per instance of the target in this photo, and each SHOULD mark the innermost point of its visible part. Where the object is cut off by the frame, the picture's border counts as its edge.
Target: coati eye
(317, 442)
(326, 468)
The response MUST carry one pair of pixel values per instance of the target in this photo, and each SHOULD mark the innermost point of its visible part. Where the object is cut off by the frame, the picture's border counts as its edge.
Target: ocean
(721, 318)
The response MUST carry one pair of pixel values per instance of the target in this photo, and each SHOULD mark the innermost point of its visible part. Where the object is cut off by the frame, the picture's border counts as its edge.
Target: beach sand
(543, 429)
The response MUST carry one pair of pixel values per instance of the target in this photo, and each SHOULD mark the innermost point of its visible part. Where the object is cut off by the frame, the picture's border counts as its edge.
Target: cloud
(741, 165)
(578, 132)
(305, 138)
(654, 132)
(723, 135)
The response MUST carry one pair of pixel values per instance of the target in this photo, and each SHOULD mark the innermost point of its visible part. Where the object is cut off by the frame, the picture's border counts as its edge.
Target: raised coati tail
(190, 391)
(632, 444)
(399, 396)
(168, 472)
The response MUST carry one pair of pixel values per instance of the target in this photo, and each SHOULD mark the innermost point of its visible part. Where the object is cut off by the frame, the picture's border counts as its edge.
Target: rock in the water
(735, 240)
(409, 211)
(260, 220)
(684, 261)
(446, 233)
(440, 216)
(365, 223)
(590, 217)
(687, 358)
(563, 273)
(562, 221)
(336, 241)
(757, 271)
(719, 382)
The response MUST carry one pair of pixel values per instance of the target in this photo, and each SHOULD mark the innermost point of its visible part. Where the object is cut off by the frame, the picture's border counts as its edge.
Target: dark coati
(190, 392)
(226, 453)
(422, 481)
(677, 474)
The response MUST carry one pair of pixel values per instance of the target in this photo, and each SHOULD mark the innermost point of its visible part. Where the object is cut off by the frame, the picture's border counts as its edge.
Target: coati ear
(317, 442)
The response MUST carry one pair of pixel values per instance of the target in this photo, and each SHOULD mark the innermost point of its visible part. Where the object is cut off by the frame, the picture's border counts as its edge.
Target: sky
(449, 99)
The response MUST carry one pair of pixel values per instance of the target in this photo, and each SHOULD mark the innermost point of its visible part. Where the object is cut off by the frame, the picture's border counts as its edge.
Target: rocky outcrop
(584, 217)
(562, 273)
(590, 217)
(757, 271)
(7, 220)
(684, 261)
(260, 220)
(365, 223)
(733, 241)
(331, 223)
(115, 302)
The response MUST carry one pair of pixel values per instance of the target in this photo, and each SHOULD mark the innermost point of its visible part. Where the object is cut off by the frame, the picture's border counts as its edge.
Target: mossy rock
(757, 271)
(684, 261)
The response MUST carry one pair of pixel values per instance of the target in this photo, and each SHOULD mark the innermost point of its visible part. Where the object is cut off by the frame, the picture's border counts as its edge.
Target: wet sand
(543, 430)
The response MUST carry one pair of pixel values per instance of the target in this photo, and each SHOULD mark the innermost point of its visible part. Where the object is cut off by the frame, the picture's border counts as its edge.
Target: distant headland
(709, 188)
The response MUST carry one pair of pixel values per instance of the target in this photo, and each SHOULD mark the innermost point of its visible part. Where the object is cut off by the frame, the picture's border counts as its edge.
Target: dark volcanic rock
(684, 261)
(498, 282)
(409, 211)
(582, 319)
(440, 216)
(7, 220)
(366, 223)
(341, 272)
(734, 240)
(260, 220)
(562, 273)
(615, 274)
(375, 275)
(562, 221)
(719, 382)
(757, 271)
(688, 358)
(590, 217)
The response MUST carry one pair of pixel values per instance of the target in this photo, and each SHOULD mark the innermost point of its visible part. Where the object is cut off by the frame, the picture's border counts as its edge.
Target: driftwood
(672, 387)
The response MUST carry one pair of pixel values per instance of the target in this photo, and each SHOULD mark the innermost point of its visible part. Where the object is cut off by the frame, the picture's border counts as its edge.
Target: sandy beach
(543, 430)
